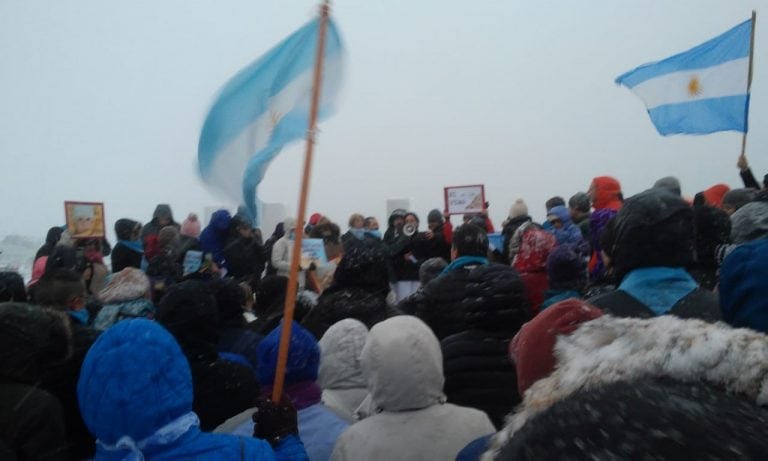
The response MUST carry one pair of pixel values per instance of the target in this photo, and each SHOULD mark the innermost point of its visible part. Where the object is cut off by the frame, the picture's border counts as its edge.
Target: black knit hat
(653, 228)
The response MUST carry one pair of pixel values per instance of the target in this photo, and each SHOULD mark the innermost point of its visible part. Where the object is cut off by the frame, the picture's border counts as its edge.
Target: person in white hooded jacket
(341, 376)
(282, 251)
(403, 364)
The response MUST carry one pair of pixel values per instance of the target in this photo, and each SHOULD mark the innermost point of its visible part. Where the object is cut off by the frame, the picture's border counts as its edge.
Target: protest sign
(465, 199)
(313, 251)
(84, 219)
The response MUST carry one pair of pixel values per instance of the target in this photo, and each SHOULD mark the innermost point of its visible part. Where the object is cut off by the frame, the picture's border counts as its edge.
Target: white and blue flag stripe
(264, 107)
(700, 91)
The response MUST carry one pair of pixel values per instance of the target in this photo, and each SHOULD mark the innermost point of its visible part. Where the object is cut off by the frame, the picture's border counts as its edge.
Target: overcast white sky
(103, 100)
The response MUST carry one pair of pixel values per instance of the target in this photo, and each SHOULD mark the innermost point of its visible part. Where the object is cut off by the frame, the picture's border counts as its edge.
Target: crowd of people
(620, 327)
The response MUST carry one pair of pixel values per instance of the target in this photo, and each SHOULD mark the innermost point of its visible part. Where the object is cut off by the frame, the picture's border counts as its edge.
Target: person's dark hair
(580, 202)
(470, 240)
(58, 287)
(553, 202)
(368, 221)
(12, 287)
(411, 213)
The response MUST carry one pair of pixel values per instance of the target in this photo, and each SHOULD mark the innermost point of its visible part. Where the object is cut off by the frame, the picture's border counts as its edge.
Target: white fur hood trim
(609, 349)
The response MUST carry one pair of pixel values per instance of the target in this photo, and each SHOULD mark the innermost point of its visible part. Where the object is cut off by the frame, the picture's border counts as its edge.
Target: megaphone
(409, 230)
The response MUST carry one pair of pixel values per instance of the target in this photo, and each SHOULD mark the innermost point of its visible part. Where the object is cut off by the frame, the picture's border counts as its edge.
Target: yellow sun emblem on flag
(694, 87)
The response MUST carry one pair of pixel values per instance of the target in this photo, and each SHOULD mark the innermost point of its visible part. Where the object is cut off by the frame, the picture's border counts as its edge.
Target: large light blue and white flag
(699, 91)
(262, 108)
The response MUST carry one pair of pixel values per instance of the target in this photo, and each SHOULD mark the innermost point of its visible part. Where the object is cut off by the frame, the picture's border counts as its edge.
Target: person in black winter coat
(234, 336)
(471, 293)
(269, 244)
(269, 304)
(518, 215)
(31, 419)
(359, 291)
(222, 389)
(51, 239)
(475, 308)
(650, 243)
(163, 216)
(244, 252)
(128, 251)
(64, 290)
(405, 252)
(712, 228)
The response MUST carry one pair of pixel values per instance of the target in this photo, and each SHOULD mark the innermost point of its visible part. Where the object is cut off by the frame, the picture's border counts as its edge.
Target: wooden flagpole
(749, 76)
(290, 296)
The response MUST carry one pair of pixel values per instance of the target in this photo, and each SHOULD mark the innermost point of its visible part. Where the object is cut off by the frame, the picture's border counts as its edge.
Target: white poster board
(465, 199)
(313, 251)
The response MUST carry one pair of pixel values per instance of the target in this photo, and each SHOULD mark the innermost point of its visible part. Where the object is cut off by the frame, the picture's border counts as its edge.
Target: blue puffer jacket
(135, 384)
(743, 291)
(569, 233)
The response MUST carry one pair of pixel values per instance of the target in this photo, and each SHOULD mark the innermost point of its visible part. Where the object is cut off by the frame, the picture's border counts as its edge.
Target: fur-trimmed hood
(608, 349)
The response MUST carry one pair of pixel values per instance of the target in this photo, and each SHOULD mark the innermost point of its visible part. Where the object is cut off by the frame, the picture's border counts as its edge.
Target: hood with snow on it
(126, 285)
(608, 350)
(134, 380)
(340, 349)
(403, 363)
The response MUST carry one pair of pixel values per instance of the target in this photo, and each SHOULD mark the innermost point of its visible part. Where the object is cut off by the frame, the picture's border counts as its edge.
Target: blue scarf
(134, 245)
(82, 316)
(462, 261)
(659, 288)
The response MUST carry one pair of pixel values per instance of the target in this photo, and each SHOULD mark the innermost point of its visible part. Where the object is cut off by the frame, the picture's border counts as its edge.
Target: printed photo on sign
(465, 199)
(84, 219)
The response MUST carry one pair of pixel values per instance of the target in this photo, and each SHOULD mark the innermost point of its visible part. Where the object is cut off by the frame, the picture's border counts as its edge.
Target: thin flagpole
(749, 76)
(290, 296)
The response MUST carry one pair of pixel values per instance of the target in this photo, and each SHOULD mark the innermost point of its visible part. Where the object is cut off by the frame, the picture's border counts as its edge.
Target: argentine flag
(262, 108)
(699, 91)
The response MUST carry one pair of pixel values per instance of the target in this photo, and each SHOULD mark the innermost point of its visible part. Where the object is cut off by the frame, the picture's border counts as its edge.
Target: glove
(275, 422)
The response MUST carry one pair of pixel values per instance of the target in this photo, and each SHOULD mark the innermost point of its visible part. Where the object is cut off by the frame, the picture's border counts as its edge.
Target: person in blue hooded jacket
(142, 409)
(742, 289)
(562, 227)
(214, 236)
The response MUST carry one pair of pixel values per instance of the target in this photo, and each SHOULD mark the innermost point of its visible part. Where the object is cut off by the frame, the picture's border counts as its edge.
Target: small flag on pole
(700, 91)
(262, 108)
